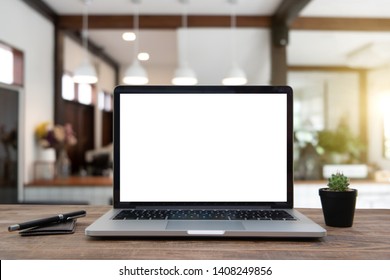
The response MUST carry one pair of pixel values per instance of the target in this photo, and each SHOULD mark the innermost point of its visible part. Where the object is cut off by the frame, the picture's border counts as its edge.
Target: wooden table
(369, 238)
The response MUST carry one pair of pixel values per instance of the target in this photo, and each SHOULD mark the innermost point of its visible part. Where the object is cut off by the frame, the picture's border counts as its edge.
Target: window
(386, 130)
(84, 94)
(7, 67)
(68, 88)
(81, 93)
(101, 99)
(105, 101)
(11, 69)
(385, 99)
(108, 102)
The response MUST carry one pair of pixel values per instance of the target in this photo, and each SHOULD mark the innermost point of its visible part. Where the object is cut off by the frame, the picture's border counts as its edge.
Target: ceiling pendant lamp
(135, 73)
(235, 76)
(85, 73)
(184, 75)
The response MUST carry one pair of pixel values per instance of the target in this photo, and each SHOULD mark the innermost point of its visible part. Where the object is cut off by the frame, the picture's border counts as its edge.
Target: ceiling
(165, 7)
(320, 8)
(306, 47)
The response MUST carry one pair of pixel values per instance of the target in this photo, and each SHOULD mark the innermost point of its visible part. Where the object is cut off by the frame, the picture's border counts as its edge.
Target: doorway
(9, 148)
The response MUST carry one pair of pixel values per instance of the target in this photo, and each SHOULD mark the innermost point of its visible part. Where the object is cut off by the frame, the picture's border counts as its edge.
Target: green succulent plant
(338, 182)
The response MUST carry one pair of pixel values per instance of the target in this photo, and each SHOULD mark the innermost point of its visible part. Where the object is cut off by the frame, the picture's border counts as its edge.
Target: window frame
(18, 64)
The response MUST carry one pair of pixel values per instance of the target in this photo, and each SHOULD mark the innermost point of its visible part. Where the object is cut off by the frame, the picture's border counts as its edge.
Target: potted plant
(338, 201)
(340, 146)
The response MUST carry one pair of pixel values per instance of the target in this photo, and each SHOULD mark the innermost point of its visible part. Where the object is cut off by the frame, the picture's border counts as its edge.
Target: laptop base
(302, 227)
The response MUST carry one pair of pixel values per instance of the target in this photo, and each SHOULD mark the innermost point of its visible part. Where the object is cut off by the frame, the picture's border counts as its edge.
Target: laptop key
(204, 215)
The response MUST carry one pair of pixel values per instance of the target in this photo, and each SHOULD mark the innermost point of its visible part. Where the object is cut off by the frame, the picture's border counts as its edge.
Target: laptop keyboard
(203, 215)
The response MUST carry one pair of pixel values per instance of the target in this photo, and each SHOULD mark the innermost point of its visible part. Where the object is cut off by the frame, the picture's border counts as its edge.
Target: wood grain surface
(369, 238)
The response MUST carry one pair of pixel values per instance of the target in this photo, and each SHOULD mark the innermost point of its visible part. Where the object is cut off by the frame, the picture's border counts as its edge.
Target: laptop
(203, 161)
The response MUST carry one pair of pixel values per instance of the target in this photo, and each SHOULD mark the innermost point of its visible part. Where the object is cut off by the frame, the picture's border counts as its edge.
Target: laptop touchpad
(205, 225)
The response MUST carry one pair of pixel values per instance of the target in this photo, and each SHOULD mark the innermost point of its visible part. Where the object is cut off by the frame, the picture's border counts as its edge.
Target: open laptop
(203, 161)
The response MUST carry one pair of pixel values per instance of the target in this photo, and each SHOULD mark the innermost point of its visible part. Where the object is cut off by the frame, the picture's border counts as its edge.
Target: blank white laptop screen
(203, 147)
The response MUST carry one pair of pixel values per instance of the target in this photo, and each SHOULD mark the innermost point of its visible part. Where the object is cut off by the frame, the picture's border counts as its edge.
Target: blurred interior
(335, 56)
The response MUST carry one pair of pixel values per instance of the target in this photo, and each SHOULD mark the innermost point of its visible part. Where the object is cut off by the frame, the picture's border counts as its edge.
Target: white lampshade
(85, 73)
(135, 74)
(184, 75)
(235, 77)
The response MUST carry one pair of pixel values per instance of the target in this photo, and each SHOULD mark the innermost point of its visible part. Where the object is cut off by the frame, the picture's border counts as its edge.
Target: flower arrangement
(57, 136)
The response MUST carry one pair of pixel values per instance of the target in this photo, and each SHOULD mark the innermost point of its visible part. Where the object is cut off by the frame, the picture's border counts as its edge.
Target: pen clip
(75, 217)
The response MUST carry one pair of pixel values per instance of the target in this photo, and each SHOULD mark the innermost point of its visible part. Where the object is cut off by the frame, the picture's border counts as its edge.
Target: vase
(44, 166)
(47, 154)
(63, 164)
(338, 207)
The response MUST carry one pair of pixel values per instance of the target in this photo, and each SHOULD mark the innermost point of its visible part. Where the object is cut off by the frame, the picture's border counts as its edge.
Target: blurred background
(335, 55)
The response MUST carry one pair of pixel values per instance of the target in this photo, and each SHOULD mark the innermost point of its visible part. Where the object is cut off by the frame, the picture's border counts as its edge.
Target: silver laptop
(203, 161)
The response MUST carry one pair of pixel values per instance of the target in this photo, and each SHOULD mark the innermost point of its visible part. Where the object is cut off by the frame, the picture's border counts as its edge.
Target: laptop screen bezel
(202, 90)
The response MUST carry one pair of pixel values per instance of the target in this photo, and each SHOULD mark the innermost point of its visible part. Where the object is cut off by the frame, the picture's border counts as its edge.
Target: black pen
(45, 221)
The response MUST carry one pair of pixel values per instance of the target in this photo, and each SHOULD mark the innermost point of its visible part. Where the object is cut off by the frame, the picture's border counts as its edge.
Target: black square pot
(338, 207)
